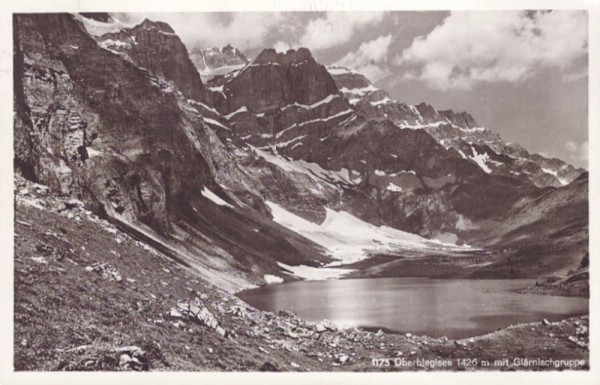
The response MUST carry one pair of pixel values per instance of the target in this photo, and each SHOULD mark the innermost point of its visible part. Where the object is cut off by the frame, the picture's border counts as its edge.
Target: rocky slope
(545, 233)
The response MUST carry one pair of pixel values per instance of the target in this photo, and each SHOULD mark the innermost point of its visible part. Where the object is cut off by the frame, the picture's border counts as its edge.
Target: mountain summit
(215, 61)
(154, 46)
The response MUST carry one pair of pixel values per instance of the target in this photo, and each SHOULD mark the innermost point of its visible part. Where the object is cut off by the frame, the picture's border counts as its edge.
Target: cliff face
(134, 148)
(155, 46)
(98, 117)
(273, 80)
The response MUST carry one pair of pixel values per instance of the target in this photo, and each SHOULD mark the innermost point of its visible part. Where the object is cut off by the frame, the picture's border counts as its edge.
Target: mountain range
(278, 166)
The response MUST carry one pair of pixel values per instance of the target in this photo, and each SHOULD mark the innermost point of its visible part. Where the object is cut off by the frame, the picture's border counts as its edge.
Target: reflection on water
(435, 307)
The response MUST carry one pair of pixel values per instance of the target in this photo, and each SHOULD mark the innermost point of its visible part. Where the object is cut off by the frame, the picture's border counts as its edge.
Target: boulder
(197, 312)
(107, 271)
(132, 358)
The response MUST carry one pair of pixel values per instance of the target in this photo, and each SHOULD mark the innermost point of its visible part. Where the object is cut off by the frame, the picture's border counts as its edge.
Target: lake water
(455, 308)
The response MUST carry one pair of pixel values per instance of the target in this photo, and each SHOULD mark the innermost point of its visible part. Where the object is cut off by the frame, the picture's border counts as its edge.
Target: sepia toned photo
(301, 191)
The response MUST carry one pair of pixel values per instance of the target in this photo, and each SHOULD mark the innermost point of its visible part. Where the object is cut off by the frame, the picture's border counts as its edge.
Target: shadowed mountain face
(119, 118)
(126, 141)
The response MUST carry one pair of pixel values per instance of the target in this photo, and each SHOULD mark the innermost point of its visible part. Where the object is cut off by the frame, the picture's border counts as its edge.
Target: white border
(7, 376)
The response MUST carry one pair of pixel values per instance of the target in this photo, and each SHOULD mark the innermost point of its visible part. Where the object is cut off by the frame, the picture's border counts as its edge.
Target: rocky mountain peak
(154, 46)
(461, 119)
(215, 61)
(292, 56)
(230, 49)
(428, 112)
(103, 17)
(275, 79)
(150, 24)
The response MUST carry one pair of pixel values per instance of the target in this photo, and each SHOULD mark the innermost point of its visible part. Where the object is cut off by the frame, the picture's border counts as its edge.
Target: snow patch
(422, 125)
(270, 278)
(349, 239)
(216, 123)
(214, 197)
(382, 101)
(340, 71)
(209, 73)
(359, 91)
(313, 170)
(238, 111)
(393, 187)
(325, 100)
(294, 125)
(190, 108)
(481, 160)
(346, 112)
(99, 28)
(216, 89)
(472, 129)
(192, 101)
(311, 273)
(116, 43)
(416, 112)
(549, 171)
(555, 174)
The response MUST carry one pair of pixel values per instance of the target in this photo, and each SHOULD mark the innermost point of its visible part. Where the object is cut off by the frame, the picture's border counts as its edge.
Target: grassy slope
(59, 306)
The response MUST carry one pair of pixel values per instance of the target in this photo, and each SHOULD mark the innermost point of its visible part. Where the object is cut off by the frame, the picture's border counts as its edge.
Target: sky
(522, 74)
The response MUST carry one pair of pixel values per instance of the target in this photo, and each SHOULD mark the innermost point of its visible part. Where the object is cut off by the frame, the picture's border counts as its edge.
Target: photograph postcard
(316, 192)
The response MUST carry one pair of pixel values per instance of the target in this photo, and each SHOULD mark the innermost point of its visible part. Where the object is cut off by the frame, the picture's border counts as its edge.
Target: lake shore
(86, 302)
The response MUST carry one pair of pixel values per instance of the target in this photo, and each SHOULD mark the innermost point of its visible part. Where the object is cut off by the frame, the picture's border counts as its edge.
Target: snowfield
(349, 239)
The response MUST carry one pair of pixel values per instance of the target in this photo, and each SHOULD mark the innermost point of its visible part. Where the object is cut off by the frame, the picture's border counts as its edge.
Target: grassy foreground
(89, 297)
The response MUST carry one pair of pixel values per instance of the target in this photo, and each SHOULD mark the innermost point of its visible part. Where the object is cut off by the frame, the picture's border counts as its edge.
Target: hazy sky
(521, 74)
